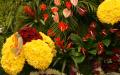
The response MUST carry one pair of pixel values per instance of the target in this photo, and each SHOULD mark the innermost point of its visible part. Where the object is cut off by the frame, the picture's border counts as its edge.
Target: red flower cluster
(28, 10)
(29, 33)
(62, 26)
(68, 4)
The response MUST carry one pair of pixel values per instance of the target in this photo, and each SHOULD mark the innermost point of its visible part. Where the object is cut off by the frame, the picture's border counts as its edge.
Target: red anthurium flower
(59, 43)
(43, 7)
(28, 10)
(68, 4)
(54, 9)
(62, 26)
(45, 16)
(50, 32)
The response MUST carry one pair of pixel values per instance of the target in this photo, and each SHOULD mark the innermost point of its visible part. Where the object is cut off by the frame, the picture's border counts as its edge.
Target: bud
(82, 11)
(93, 24)
(100, 47)
(104, 33)
(83, 51)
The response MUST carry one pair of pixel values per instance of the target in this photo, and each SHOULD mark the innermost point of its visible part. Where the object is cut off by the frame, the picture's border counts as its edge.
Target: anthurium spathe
(74, 2)
(66, 12)
(57, 2)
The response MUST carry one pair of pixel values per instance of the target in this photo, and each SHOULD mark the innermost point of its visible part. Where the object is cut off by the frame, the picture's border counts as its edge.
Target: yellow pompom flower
(11, 63)
(38, 54)
(109, 11)
(49, 41)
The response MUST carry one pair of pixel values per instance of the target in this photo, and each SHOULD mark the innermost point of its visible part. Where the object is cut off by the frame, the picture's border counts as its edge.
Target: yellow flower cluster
(11, 63)
(49, 41)
(109, 11)
(38, 53)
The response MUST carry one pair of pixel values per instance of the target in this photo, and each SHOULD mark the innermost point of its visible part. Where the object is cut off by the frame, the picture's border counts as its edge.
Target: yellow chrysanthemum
(38, 54)
(11, 63)
(49, 41)
(109, 11)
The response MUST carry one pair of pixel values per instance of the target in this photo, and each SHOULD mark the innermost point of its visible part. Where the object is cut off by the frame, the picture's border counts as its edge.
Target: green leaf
(75, 38)
(93, 52)
(109, 52)
(79, 59)
(106, 42)
(42, 21)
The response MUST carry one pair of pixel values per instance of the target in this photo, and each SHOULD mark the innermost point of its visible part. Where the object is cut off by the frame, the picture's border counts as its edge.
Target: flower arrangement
(71, 36)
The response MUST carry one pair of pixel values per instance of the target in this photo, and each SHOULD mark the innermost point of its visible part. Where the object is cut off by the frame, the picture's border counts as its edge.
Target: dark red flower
(43, 7)
(116, 51)
(82, 11)
(29, 33)
(68, 4)
(115, 58)
(50, 32)
(62, 26)
(28, 10)
(45, 16)
(59, 42)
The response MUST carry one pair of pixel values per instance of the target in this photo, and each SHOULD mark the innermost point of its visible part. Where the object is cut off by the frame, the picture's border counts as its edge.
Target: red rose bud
(113, 30)
(82, 11)
(87, 36)
(83, 51)
(29, 33)
(69, 45)
(92, 33)
(72, 70)
(93, 25)
(62, 26)
(104, 32)
(100, 47)
(43, 7)
(50, 32)
(68, 4)
(96, 68)
(45, 16)
(28, 10)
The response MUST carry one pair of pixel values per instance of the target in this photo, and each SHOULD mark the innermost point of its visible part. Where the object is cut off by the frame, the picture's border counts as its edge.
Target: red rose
(43, 7)
(29, 33)
(68, 4)
(62, 26)
(28, 10)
